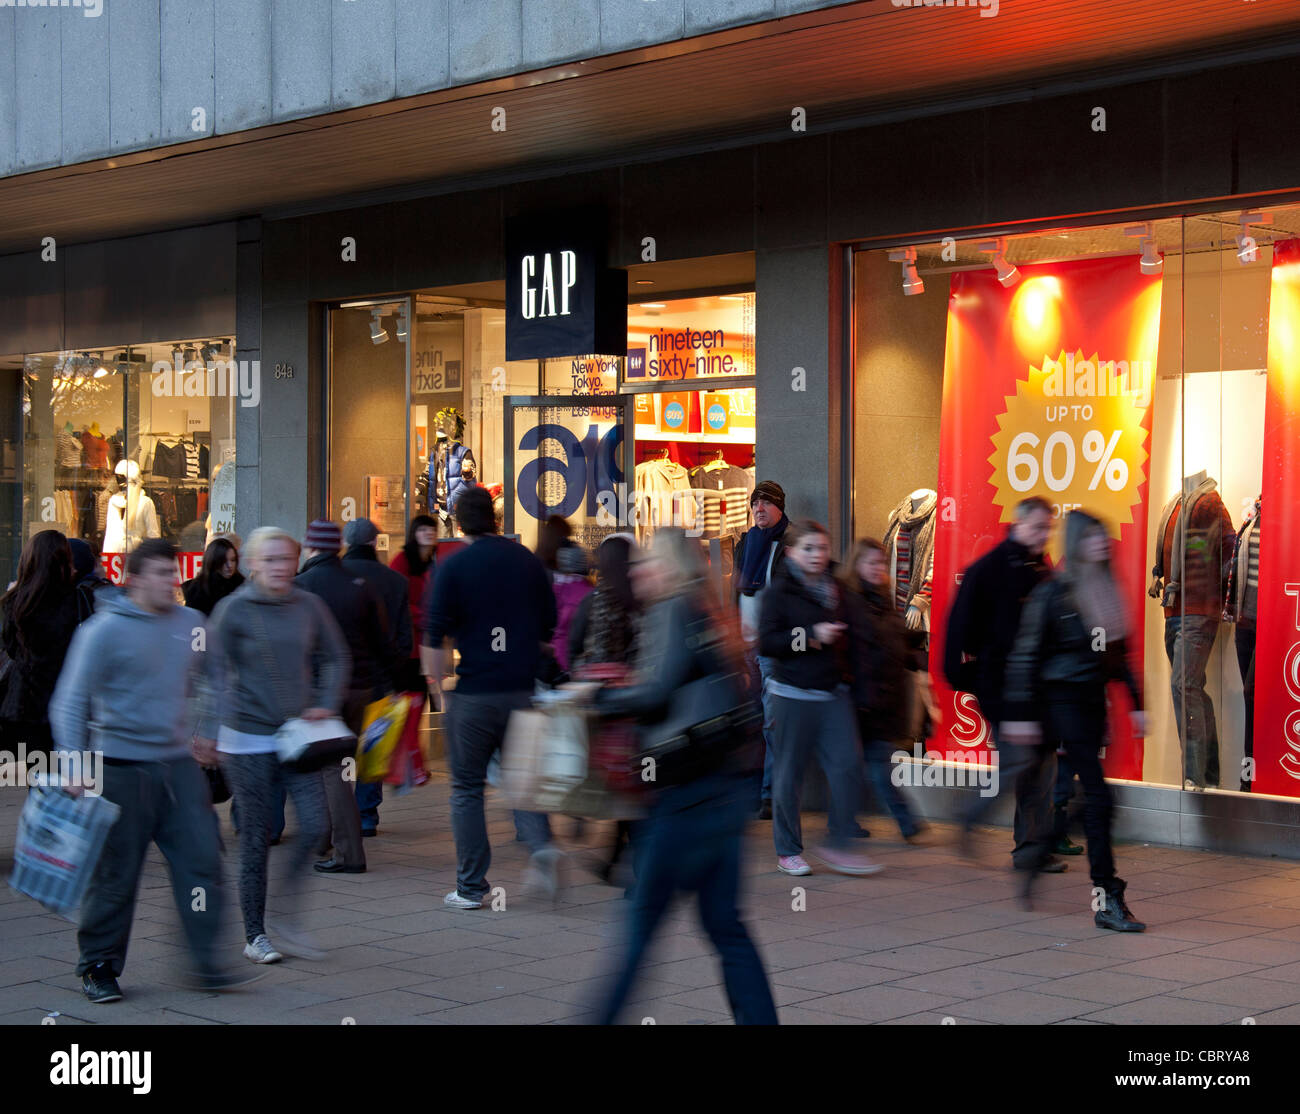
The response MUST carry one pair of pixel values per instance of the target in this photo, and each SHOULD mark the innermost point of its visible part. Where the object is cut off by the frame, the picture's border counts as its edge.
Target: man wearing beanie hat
(359, 612)
(361, 560)
(759, 554)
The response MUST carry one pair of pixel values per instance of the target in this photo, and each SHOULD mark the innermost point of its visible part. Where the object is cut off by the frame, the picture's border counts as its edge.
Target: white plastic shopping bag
(60, 839)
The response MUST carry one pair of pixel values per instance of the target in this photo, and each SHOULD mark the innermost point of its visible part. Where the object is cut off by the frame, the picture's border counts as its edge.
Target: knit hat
(323, 534)
(360, 531)
(772, 492)
(571, 559)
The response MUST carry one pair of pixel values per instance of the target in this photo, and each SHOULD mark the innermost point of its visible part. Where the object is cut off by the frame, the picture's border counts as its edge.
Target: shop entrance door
(566, 456)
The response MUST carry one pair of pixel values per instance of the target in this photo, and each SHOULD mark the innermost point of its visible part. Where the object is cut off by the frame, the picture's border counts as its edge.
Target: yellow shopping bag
(380, 732)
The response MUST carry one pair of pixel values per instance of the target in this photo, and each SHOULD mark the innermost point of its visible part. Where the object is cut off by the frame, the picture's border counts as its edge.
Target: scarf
(823, 587)
(758, 547)
(920, 524)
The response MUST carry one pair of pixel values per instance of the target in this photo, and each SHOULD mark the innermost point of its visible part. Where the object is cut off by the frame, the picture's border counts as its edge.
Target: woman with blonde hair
(274, 652)
(1072, 642)
(703, 789)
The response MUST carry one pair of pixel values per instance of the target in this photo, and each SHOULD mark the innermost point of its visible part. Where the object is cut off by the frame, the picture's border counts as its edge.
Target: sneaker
(793, 864)
(1191, 787)
(847, 862)
(226, 980)
(457, 902)
(295, 942)
(1066, 846)
(99, 985)
(543, 874)
(259, 950)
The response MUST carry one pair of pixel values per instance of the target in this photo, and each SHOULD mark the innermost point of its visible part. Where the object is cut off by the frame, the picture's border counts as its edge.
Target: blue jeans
(476, 724)
(370, 795)
(876, 754)
(760, 669)
(692, 841)
(828, 729)
(1188, 642)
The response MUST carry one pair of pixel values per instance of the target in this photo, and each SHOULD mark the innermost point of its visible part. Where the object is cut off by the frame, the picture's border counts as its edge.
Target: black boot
(1114, 912)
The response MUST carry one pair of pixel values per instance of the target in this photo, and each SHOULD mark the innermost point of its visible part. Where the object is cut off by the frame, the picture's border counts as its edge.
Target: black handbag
(707, 720)
(217, 786)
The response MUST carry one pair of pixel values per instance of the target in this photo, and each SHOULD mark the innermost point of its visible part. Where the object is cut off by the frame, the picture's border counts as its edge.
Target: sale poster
(1277, 646)
(1047, 391)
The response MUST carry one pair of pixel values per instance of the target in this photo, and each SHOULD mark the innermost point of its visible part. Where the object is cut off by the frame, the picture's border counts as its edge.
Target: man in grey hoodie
(124, 691)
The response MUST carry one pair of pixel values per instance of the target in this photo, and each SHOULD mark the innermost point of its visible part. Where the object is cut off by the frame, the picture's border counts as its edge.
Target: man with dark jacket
(982, 629)
(759, 555)
(360, 559)
(495, 600)
(359, 612)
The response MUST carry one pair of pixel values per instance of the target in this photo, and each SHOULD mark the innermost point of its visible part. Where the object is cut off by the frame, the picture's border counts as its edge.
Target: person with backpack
(1071, 644)
(757, 557)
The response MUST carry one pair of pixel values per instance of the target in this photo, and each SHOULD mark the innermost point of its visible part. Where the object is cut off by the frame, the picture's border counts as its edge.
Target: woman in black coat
(218, 577)
(38, 617)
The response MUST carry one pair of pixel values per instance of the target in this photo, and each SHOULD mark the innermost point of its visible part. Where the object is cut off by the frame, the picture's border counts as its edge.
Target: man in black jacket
(359, 612)
(360, 559)
(494, 600)
(981, 632)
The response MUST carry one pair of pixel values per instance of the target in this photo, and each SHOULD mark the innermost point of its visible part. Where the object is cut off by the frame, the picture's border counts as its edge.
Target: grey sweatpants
(166, 803)
(252, 782)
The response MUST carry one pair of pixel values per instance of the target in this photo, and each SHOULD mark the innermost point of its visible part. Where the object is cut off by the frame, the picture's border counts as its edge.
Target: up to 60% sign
(1059, 459)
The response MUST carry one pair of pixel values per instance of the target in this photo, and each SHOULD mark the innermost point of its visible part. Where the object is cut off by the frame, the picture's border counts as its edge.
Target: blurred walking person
(360, 614)
(494, 600)
(1072, 642)
(274, 653)
(571, 585)
(125, 692)
(361, 559)
(757, 558)
(415, 562)
(218, 576)
(692, 839)
(884, 656)
(38, 616)
(88, 579)
(603, 638)
(982, 629)
(803, 631)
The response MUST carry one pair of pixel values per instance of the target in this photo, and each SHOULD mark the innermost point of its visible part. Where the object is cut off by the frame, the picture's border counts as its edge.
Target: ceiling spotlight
(378, 334)
(644, 282)
(1008, 273)
(1151, 263)
(1247, 247)
(912, 283)
(402, 329)
(208, 352)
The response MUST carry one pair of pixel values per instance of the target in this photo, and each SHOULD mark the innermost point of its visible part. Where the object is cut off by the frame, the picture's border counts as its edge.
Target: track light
(1008, 273)
(378, 334)
(1151, 263)
(912, 283)
(401, 329)
(1247, 248)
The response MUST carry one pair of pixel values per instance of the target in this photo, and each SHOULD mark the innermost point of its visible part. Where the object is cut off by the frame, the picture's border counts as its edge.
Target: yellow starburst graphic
(1072, 433)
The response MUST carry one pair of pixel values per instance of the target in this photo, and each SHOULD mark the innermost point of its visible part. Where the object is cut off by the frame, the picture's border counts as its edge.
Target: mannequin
(450, 470)
(131, 514)
(1241, 606)
(1188, 577)
(909, 541)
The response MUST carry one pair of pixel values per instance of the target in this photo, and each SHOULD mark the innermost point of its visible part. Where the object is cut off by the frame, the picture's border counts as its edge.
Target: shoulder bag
(304, 745)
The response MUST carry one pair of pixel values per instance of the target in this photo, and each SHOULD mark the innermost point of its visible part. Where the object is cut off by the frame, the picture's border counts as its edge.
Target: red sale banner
(187, 566)
(1277, 645)
(1046, 391)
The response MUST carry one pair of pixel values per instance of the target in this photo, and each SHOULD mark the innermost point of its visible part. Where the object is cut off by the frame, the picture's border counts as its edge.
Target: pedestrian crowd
(804, 677)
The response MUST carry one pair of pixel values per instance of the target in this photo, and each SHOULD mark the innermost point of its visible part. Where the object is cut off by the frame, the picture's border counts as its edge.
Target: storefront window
(124, 444)
(1142, 373)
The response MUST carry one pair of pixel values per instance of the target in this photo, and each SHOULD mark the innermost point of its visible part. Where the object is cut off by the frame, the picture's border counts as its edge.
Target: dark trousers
(1245, 640)
(1028, 771)
(166, 803)
(1080, 727)
(1189, 639)
(1061, 797)
(879, 769)
(692, 842)
(476, 725)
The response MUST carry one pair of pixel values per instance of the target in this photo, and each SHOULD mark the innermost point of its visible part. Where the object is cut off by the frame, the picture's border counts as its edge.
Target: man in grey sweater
(124, 691)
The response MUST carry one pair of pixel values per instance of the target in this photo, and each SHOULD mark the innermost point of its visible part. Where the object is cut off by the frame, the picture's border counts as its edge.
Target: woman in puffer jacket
(1072, 643)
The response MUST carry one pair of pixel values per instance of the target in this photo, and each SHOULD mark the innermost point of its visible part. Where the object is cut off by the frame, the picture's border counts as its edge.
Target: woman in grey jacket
(274, 652)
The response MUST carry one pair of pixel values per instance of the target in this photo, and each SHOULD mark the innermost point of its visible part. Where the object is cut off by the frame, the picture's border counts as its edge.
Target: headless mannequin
(1191, 483)
(1241, 607)
(916, 616)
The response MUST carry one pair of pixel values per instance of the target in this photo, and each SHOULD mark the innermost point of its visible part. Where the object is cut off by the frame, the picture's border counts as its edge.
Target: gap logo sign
(561, 299)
